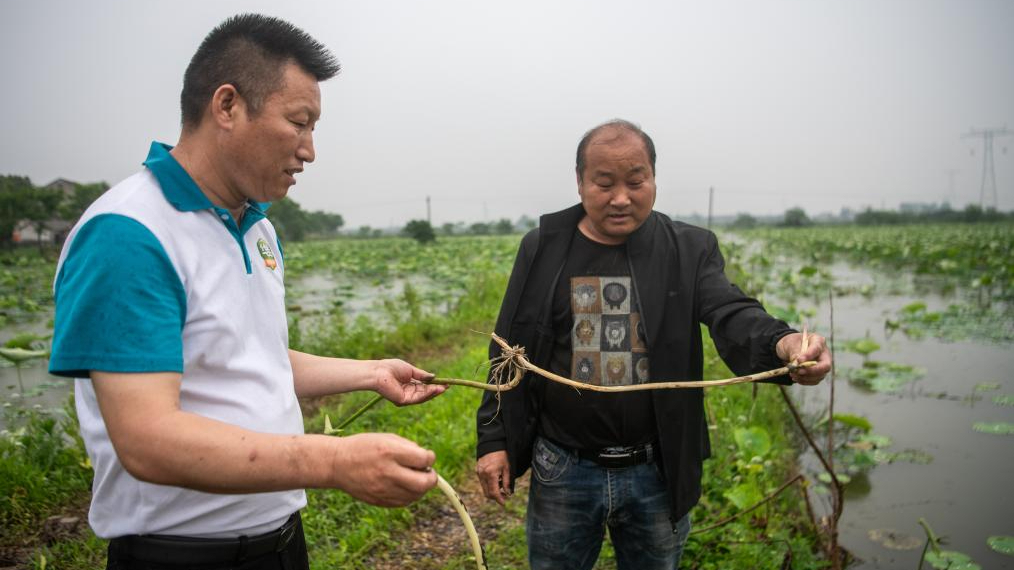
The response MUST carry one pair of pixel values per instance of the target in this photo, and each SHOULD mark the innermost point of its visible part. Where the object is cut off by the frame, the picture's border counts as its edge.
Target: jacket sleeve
(744, 333)
(489, 422)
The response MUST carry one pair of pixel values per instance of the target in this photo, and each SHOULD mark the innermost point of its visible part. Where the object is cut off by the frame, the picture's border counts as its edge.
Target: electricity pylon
(988, 173)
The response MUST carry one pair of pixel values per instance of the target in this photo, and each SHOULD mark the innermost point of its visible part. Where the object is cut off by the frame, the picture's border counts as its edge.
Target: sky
(775, 104)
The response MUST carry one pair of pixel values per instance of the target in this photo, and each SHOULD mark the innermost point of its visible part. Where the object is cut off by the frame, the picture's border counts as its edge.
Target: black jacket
(678, 273)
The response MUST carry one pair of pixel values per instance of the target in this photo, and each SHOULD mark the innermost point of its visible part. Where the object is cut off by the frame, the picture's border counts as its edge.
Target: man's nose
(305, 152)
(621, 198)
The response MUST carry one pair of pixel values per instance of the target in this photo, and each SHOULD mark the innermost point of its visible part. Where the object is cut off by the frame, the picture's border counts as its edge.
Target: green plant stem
(930, 535)
(359, 412)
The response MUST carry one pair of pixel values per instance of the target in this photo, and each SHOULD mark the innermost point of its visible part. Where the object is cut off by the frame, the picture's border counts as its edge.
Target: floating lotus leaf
(854, 421)
(987, 386)
(19, 355)
(996, 428)
(890, 538)
(864, 346)
(885, 377)
(825, 477)
(951, 560)
(1005, 400)
(913, 308)
(916, 456)
(1002, 544)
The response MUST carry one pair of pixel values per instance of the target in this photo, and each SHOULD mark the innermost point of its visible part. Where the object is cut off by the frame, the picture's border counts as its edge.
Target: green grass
(42, 468)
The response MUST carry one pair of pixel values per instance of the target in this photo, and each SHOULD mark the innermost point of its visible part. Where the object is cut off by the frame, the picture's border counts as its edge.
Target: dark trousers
(282, 549)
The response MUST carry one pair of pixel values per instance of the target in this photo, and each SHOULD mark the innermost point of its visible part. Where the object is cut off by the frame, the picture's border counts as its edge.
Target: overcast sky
(813, 103)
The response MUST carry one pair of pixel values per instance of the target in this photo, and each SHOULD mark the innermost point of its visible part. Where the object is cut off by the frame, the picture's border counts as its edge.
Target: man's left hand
(789, 349)
(402, 383)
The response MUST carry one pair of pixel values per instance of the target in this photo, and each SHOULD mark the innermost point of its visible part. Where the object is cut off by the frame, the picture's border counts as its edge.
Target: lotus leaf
(890, 538)
(1002, 544)
(863, 346)
(19, 355)
(997, 428)
(1005, 400)
(951, 560)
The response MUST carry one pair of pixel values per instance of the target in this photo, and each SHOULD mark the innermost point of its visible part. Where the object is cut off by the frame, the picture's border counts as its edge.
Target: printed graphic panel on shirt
(637, 343)
(616, 333)
(615, 295)
(616, 368)
(640, 366)
(585, 295)
(586, 331)
(586, 367)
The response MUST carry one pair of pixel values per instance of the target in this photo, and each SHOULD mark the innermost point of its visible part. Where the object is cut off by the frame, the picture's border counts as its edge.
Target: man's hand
(383, 469)
(789, 349)
(402, 383)
(494, 476)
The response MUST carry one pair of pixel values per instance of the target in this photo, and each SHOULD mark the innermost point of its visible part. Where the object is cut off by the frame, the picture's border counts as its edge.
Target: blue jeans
(571, 501)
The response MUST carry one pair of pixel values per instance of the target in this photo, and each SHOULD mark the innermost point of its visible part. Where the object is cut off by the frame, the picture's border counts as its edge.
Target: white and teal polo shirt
(155, 278)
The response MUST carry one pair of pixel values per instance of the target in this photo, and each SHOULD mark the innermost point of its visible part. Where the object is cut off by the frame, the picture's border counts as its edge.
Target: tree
(289, 219)
(526, 223)
(744, 222)
(82, 197)
(503, 226)
(43, 207)
(479, 229)
(795, 218)
(447, 229)
(16, 196)
(419, 230)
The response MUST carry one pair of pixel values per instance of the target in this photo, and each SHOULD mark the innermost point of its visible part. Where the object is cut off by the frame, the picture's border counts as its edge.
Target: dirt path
(436, 539)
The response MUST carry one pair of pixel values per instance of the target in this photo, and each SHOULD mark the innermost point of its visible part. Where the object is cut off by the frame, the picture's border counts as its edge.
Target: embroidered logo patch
(265, 251)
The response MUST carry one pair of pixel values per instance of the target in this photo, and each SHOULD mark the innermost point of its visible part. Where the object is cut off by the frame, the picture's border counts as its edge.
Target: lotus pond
(923, 418)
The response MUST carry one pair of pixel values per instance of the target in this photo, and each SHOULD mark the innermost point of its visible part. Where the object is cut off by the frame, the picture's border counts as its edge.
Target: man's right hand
(383, 469)
(494, 474)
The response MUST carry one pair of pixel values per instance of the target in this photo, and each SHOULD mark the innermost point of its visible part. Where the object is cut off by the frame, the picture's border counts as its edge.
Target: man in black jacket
(609, 292)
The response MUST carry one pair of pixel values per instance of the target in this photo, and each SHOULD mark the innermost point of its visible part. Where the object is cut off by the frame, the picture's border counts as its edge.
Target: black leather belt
(620, 457)
(189, 550)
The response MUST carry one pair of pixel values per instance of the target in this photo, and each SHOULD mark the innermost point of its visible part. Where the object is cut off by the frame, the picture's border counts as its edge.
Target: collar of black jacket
(567, 220)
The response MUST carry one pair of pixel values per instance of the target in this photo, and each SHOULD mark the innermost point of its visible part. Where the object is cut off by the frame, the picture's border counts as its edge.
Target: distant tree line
(55, 208)
(971, 214)
(423, 232)
(293, 223)
(796, 217)
(48, 208)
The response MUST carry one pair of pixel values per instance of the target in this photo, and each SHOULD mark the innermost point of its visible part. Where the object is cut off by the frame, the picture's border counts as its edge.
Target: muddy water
(967, 492)
(41, 390)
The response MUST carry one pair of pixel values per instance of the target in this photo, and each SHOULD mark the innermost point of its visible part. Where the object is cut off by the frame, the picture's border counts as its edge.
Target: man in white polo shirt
(170, 313)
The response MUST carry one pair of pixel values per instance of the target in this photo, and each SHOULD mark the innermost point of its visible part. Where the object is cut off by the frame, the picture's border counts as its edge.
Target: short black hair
(649, 145)
(249, 52)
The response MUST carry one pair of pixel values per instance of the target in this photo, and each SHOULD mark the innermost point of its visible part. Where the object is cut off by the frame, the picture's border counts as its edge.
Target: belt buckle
(285, 537)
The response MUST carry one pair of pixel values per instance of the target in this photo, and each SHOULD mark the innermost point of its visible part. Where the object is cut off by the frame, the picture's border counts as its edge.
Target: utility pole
(988, 173)
(711, 203)
(428, 219)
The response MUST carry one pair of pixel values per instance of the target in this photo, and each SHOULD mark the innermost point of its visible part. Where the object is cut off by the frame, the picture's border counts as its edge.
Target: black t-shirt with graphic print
(599, 340)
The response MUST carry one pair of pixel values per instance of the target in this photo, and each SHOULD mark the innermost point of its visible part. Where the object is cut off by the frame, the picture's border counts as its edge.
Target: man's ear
(226, 104)
(578, 173)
